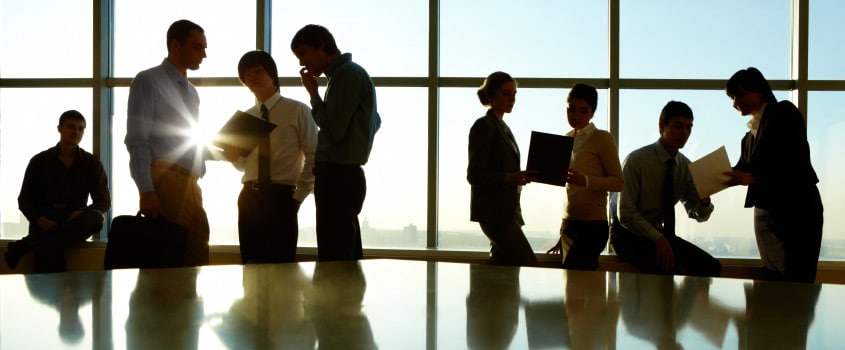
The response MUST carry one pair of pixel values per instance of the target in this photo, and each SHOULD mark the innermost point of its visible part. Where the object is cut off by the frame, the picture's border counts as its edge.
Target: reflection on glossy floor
(395, 304)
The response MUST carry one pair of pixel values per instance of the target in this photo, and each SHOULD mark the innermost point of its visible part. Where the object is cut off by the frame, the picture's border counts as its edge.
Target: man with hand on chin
(348, 121)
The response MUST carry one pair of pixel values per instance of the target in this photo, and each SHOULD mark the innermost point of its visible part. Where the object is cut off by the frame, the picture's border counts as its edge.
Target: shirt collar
(173, 72)
(272, 100)
(754, 123)
(55, 151)
(662, 154)
(339, 61)
(584, 132)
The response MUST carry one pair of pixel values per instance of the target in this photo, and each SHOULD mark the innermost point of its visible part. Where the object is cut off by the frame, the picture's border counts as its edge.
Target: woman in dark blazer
(775, 165)
(495, 177)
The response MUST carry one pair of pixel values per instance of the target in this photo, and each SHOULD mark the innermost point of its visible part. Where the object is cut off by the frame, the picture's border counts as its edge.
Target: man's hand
(45, 224)
(150, 204)
(309, 81)
(665, 256)
(232, 153)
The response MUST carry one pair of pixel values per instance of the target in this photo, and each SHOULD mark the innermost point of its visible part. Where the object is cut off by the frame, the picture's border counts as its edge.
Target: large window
(704, 39)
(665, 50)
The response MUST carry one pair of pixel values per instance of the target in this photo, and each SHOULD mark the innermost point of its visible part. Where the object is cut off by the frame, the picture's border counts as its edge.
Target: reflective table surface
(398, 304)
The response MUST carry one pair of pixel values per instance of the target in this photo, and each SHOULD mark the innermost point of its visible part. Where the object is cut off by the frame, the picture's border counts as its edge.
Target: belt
(255, 185)
(172, 167)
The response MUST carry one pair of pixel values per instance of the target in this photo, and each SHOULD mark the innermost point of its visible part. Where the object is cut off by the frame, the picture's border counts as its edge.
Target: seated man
(644, 233)
(54, 195)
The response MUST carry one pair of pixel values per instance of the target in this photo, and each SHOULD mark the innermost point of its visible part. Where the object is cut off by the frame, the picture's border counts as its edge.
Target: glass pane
(824, 131)
(704, 39)
(140, 33)
(542, 205)
(394, 213)
(826, 32)
(388, 38)
(551, 38)
(39, 43)
(28, 126)
(729, 232)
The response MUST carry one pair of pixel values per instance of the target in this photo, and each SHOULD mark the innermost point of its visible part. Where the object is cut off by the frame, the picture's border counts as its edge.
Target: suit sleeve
(480, 171)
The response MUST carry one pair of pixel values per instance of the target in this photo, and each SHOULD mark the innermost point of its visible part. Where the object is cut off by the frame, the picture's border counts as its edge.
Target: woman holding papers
(775, 165)
(594, 171)
(495, 176)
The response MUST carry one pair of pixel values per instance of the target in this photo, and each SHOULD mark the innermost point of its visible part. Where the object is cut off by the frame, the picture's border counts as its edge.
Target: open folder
(243, 130)
(708, 172)
(548, 157)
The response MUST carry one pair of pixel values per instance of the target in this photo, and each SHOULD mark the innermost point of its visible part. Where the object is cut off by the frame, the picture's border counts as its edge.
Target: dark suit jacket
(491, 155)
(779, 159)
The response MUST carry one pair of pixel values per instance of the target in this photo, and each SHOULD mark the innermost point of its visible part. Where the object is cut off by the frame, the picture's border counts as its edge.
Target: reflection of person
(272, 193)
(594, 171)
(654, 309)
(645, 232)
(271, 314)
(163, 160)
(165, 311)
(492, 307)
(335, 306)
(592, 315)
(53, 197)
(788, 211)
(67, 292)
(494, 175)
(777, 315)
(348, 121)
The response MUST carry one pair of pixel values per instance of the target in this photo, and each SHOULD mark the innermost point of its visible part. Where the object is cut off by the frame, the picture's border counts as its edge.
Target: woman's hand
(739, 178)
(576, 178)
(518, 178)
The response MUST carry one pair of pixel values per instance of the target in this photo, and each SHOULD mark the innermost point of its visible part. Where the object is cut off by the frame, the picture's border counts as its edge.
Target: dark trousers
(49, 246)
(339, 191)
(640, 251)
(796, 230)
(508, 245)
(582, 242)
(267, 224)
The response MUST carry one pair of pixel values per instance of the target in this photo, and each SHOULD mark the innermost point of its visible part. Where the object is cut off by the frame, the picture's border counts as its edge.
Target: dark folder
(548, 157)
(244, 131)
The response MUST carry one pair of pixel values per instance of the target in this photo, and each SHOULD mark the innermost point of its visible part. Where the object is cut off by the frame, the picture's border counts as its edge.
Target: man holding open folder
(278, 173)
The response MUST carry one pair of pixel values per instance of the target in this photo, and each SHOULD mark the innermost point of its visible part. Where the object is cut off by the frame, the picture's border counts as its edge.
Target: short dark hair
(492, 84)
(258, 58)
(71, 114)
(751, 80)
(315, 35)
(674, 109)
(585, 92)
(181, 30)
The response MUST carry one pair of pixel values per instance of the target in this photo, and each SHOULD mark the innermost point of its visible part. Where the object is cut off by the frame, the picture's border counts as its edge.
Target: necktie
(668, 198)
(264, 155)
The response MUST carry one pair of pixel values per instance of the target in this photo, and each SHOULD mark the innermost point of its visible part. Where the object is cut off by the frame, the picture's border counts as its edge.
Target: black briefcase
(136, 241)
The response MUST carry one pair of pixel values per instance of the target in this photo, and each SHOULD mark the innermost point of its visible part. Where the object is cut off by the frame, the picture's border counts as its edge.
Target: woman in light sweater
(594, 171)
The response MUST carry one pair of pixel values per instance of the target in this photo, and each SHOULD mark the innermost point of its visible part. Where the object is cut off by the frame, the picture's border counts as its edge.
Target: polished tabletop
(399, 304)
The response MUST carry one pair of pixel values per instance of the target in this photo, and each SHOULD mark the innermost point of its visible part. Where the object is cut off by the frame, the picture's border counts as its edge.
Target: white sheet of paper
(708, 172)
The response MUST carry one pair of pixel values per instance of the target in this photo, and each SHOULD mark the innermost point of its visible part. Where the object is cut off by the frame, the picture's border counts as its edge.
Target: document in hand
(244, 131)
(548, 157)
(708, 172)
